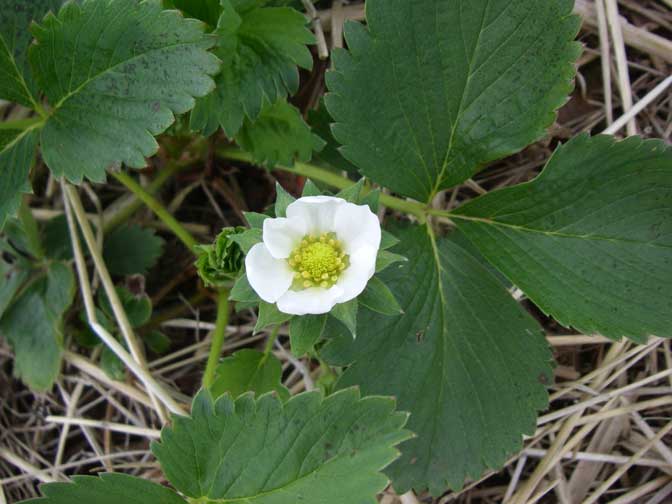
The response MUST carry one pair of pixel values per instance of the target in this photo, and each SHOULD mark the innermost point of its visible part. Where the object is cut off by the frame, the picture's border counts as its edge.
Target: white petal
(313, 301)
(357, 226)
(318, 212)
(354, 279)
(282, 235)
(268, 276)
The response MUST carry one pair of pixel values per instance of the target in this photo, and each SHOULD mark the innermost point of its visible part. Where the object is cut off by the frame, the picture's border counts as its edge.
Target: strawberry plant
(419, 308)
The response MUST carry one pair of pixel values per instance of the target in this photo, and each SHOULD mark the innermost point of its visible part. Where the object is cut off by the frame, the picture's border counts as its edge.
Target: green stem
(217, 337)
(128, 208)
(156, 207)
(333, 179)
(271, 339)
(20, 124)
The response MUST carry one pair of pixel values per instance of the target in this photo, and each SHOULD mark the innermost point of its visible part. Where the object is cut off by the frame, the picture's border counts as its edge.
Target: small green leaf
(130, 67)
(16, 158)
(347, 314)
(157, 342)
(138, 307)
(457, 85)
(243, 292)
(310, 189)
(304, 332)
(279, 135)
(269, 315)
(388, 240)
(108, 488)
(353, 192)
(385, 259)
(377, 297)
(255, 220)
(56, 239)
(282, 200)
(249, 371)
(372, 198)
(590, 239)
(113, 367)
(264, 451)
(260, 48)
(33, 326)
(247, 239)
(131, 250)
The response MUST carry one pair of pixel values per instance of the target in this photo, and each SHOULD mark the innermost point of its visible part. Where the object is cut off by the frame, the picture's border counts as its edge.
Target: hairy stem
(333, 179)
(155, 206)
(217, 337)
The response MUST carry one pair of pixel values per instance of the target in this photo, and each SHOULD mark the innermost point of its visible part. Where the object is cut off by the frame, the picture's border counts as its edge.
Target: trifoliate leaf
(131, 250)
(378, 297)
(279, 135)
(304, 332)
(264, 451)
(590, 239)
(16, 82)
(249, 371)
(260, 48)
(218, 263)
(17, 153)
(33, 326)
(109, 488)
(115, 72)
(432, 90)
(465, 359)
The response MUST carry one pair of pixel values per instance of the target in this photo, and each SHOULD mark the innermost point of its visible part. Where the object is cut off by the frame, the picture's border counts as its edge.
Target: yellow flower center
(318, 261)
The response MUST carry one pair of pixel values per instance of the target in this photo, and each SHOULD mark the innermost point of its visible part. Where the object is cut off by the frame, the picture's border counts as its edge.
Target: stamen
(318, 261)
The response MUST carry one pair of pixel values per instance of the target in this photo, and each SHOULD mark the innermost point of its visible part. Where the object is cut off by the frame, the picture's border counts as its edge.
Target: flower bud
(221, 261)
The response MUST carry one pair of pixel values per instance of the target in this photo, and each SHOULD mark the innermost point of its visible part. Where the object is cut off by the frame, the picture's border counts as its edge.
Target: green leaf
(112, 365)
(115, 72)
(243, 292)
(310, 189)
(378, 297)
(457, 85)
(109, 488)
(16, 159)
(282, 200)
(590, 239)
(56, 239)
(304, 332)
(386, 259)
(320, 122)
(247, 239)
(11, 278)
(269, 315)
(278, 136)
(347, 314)
(255, 220)
(16, 83)
(157, 342)
(388, 240)
(260, 48)
(352, 193)
(131, 250)
(249, 371)
(33, 326)
(264, 451)
(465, 359)
(138, 307)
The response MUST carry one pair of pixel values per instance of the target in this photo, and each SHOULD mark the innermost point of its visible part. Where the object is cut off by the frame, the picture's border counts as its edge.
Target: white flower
(323, 253)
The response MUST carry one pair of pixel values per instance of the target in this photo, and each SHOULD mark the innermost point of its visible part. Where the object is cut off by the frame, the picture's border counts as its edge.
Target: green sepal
(347, 314)
(304, 332)
(269, 315)
(378, 297)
